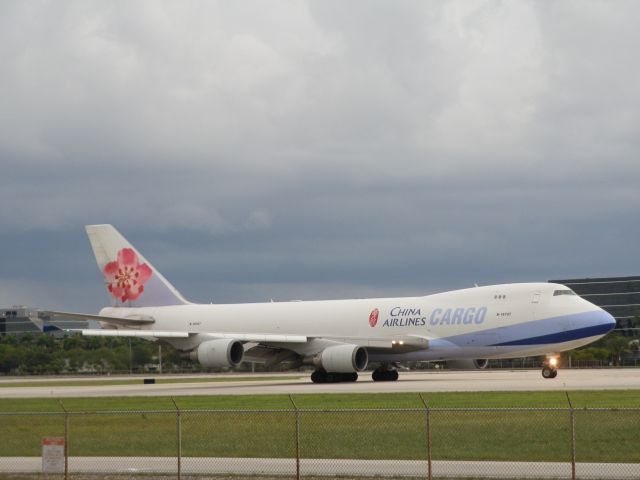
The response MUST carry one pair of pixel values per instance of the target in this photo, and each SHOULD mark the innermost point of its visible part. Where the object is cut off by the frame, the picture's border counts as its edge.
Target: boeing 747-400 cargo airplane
(342, 337)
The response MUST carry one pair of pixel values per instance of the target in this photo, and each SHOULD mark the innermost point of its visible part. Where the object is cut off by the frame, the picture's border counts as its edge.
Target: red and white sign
(53, 455)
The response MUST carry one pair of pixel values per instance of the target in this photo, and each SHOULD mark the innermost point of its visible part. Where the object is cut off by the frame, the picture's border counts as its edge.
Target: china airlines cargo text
(407, 317)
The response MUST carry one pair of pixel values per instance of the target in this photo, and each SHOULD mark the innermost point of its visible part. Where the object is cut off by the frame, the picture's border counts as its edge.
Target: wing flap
(262, 338)
(132, 333)
(242, 337)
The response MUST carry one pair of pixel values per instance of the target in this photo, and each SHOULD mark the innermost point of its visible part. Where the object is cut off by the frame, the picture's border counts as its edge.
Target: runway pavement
(326, 467)
(417, 381)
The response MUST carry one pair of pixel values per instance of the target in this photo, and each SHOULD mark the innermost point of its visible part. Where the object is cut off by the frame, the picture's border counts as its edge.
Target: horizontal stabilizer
(128, 321)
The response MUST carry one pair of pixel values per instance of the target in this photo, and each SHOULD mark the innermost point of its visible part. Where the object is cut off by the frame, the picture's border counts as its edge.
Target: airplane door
(535, 302)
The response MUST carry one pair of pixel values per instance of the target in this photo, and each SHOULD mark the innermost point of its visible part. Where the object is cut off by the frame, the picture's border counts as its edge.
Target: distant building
(19, 320)
(620, 296)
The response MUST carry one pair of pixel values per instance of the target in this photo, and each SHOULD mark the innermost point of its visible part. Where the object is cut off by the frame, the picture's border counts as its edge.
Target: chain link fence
(593, 443)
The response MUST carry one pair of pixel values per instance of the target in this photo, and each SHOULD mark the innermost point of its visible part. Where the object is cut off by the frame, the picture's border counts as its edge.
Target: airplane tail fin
(130, 279)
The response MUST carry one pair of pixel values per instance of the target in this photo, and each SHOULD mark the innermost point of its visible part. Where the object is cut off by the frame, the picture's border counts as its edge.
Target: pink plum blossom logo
(373, 317)
(126, 276)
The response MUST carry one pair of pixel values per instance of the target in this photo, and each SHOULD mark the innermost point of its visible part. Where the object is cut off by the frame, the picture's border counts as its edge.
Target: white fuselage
(499, 321)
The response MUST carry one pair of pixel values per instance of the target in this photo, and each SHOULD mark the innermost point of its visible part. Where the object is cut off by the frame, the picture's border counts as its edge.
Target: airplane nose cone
(607, 321)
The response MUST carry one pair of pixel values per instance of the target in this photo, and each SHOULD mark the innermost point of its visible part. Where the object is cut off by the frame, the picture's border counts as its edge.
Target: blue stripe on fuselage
(560, 337)
(563, 329)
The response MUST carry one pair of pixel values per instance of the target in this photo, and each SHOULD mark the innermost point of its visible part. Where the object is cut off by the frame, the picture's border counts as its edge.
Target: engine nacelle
(222, 352)
(343, 359)
(468, 364)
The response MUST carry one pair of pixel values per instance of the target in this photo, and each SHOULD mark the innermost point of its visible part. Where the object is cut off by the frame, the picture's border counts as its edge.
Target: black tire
(547, 372)
(351, 377)
(554, 374)
(319, 376)
(384, 375)
(335, 377)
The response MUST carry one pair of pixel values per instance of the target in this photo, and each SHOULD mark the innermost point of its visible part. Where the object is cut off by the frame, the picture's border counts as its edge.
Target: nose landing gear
(549, 367)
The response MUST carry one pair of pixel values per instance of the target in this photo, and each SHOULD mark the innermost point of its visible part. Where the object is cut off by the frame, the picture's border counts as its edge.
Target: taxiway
(298, 383)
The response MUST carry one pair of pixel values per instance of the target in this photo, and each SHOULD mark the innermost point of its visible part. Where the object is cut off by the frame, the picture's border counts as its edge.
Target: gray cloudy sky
(322, 149)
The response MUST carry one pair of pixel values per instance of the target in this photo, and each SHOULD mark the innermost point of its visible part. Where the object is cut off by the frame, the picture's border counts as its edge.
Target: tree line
(30, 354)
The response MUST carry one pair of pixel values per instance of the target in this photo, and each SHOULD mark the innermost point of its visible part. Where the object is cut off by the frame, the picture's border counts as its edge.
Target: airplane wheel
(350, 377)
(319, 376)
(555, 374)
(339, 377)
(384, 375)
(548, 372)
(322, 376)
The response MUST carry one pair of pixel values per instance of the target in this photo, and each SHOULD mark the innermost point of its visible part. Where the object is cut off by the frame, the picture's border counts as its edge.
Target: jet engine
(468, 364)
(342, 359)
(222, 352)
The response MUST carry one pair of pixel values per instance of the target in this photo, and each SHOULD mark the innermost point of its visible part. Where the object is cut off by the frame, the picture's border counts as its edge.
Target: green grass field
(537, 399)
(117, 427)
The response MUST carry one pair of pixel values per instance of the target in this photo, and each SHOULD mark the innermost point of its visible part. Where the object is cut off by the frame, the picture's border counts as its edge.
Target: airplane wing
(408, 342)
(242, 337)
(139, 326)
(134, 323)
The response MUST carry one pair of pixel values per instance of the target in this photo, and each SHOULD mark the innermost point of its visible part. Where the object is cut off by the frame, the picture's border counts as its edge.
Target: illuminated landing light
(553, 361)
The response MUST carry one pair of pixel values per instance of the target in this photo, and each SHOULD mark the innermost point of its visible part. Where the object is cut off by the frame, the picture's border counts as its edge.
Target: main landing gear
(549, 367)
(384, 373)
(322, 376)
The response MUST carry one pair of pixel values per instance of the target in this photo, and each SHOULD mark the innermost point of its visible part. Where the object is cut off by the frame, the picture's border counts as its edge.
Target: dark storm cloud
(258, 150)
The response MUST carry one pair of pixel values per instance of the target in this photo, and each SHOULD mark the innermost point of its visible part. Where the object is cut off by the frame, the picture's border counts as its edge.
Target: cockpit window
(563, 292)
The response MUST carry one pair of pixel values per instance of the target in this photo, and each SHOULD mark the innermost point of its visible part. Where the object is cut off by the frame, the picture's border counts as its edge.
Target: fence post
(428, 428)
(573, 437)
(178, 437)
(66, 440)
(297, 413)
